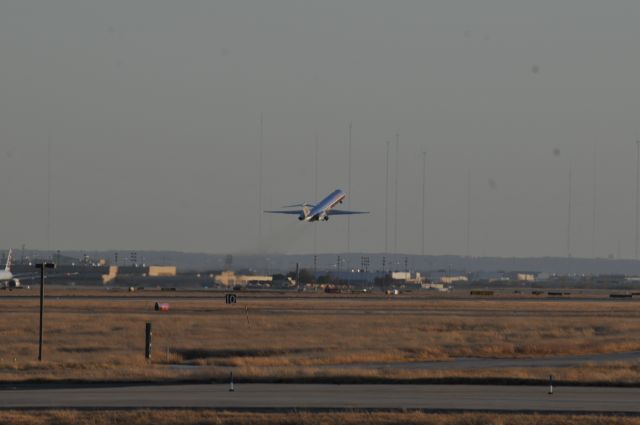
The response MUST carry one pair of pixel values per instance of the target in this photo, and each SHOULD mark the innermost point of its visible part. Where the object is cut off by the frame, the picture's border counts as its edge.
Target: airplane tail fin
(9, 258)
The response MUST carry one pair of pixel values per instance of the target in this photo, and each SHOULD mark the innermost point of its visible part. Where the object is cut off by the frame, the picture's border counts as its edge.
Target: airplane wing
(34, 276)
(343, 212)
(297, 212)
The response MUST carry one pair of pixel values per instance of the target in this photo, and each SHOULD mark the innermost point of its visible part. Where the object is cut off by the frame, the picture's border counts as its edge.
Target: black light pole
(42, 266)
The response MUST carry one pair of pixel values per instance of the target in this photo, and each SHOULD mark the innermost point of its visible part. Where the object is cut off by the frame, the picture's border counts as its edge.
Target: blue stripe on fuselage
(327, 203)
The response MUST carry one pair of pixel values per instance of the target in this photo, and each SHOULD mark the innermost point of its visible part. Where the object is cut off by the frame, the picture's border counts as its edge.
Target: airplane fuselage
(321, 210)
(7, 280)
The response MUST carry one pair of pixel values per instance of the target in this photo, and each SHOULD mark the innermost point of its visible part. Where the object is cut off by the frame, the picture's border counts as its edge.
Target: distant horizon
(328, 261)
(343, 253)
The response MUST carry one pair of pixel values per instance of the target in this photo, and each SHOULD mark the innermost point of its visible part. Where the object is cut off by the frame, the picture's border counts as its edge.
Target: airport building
(448, 280)
(152, 271)
(230, 279)
(525, 277)
(406, 277)
(162, 271)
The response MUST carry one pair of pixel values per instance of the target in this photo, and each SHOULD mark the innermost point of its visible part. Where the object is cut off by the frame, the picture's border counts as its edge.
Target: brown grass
(201, 417)
(306, 336)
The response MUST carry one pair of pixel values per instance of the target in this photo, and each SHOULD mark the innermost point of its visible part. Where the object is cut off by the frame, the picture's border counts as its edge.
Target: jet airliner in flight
(320, 211)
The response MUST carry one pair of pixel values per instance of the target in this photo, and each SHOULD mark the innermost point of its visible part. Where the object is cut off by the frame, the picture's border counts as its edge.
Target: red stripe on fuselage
(335, 202)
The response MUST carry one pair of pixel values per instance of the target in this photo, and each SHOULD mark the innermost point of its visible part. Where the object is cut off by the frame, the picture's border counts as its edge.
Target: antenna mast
(315, 194)
(637, 197)
(349, 189)
(468, 214)
(595, 201)
(260, 184)
(570, 213)
(424, 191)
(395, 194)
(386, 202)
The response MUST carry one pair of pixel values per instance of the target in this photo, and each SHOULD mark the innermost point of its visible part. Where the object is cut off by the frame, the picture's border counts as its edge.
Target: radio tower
(570, 213)
(386, 202)
(395, 195)
(424, 194)
(49, 194)
(349, 190)
(260, 185)
(594, 223)
(315, 194)
(637, 197)
(469, 214)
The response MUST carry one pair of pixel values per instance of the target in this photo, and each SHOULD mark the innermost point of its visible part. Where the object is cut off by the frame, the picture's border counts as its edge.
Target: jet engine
(305, 212)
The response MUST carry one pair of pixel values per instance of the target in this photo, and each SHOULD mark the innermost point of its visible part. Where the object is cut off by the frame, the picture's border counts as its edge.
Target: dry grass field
(200, 417)
(309, 337)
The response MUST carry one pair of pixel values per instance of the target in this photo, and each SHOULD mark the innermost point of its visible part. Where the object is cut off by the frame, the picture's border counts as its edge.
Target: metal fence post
(147, 341)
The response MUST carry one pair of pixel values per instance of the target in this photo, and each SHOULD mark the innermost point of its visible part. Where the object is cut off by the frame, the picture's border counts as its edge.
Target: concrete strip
(323, 397)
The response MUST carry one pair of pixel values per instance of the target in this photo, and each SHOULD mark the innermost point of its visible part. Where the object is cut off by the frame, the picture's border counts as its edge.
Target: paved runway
(333, 397)
(187, 295)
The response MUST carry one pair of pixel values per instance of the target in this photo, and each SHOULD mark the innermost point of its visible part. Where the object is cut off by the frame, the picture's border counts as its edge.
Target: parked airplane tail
(7, 268)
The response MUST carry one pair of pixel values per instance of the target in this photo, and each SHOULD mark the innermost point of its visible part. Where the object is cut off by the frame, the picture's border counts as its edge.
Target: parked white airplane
(7, 279)
(320, 211)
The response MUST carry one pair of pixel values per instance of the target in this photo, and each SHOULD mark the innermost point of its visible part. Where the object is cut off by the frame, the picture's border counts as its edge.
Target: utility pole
(42, 266)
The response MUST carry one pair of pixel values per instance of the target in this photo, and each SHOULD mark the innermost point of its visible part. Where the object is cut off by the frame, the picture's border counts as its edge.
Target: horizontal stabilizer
(34, 276)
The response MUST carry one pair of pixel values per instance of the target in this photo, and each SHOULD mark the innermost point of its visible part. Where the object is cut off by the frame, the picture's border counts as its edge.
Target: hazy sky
(152, 108)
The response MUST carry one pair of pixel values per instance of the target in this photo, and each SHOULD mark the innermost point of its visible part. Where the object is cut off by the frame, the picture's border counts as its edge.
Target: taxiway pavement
(283, 397)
